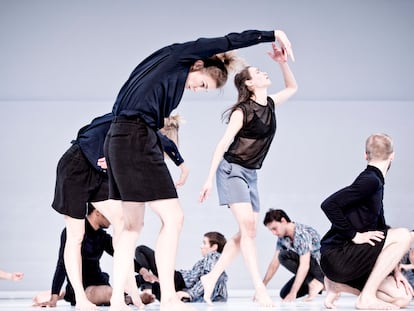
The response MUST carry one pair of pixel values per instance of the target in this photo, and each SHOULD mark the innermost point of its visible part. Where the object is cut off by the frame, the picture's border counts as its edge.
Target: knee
(249, 228)
(403, 301)
(142, 250)
(173, 222)
(134, 226)
(403, 236)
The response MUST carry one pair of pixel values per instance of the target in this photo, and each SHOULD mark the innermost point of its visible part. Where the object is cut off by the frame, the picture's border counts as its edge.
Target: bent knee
(399, 235)
(403, 301)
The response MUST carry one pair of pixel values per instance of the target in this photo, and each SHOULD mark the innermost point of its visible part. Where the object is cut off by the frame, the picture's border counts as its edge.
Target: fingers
(286, 47)
(203, 196)
(290, 53)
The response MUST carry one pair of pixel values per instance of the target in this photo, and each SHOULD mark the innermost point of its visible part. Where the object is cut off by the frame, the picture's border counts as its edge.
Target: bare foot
(373, 303)
(136, 301)
(175, 305)
(332, 293)
(86, 305)
(315, 287)
(263, 299)
(208, 285)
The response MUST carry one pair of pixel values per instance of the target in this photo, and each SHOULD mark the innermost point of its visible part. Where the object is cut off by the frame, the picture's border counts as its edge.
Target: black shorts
(78, 182)
(136, 167)
(352, 263)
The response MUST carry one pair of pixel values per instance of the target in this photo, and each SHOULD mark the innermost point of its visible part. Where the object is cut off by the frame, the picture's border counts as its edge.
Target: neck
(383, 166)
(290, 230)
(260, 96)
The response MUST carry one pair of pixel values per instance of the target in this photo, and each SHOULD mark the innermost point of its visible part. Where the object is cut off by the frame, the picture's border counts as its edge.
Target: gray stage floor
(238, 301)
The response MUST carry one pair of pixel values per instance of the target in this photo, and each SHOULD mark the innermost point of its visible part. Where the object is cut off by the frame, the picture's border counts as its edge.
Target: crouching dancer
(360, 254)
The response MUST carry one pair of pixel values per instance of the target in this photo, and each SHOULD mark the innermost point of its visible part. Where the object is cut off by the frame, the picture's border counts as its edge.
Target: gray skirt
(237, 184)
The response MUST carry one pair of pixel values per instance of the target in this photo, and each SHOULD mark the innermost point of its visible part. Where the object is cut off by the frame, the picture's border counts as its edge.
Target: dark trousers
(290, 260)
(145, 258)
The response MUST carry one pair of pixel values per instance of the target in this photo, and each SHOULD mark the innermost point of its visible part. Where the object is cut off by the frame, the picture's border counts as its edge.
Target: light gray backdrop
(63, 62)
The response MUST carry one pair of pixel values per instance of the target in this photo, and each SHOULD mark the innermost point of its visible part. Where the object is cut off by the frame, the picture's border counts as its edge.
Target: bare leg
(171, 217)
(396, 245)
(314, 289)
(75, 230)
(230, 251)
(112, 210)
(247, 220)
(389, 292)
(334, 290)
(133, 213)
(99, 294)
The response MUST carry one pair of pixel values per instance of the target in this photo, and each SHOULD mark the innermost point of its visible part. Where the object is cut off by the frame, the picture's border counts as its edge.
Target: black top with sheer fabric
(252, 142)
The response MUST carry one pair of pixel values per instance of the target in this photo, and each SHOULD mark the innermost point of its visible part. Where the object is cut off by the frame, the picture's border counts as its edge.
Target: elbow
(294, 88)
(291, 90)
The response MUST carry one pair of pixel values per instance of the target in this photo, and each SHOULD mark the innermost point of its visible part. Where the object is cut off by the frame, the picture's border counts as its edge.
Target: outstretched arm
(271, 270)
(291, 87)
(12, 276)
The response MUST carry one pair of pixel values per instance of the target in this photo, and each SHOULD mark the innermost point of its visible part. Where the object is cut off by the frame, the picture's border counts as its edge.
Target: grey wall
(63, 62)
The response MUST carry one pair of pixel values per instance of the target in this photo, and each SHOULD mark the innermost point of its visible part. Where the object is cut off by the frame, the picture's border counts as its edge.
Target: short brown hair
(275, 215)
(216, 238)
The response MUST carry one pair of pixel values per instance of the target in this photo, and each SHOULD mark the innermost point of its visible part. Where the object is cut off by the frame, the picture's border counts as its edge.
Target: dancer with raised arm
(238, 155)
(136, 167)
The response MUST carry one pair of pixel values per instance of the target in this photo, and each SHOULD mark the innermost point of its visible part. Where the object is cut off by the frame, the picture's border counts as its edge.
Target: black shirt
(91, 140)
(251, 144)
(356, 208)
(156, 85)
(94, 244)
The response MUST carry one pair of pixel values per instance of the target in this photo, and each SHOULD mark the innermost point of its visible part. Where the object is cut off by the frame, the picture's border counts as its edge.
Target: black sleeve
(60, 272)
(108, 246)
(335, 205)
(207, 47)
(170, 148)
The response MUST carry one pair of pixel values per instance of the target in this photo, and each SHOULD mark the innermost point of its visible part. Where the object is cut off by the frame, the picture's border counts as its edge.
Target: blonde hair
(171, 127)
(378, 147)
(218, 66)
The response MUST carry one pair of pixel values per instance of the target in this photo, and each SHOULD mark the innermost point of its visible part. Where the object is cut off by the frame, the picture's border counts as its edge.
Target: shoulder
(270, 102)
(213, 256)
(303, 229)
(370, 177)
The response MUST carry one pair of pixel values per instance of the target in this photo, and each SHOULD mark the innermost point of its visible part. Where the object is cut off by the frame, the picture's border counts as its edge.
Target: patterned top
(193, 283)
(305, 239)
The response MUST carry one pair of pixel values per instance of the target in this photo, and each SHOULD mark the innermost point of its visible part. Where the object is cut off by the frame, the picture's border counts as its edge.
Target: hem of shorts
(67, 214)
(146, 199)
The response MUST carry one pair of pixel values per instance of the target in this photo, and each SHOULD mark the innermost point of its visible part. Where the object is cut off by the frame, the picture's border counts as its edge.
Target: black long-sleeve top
(356, 208)
(94, 244)
(91, 140)
(156, 85)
